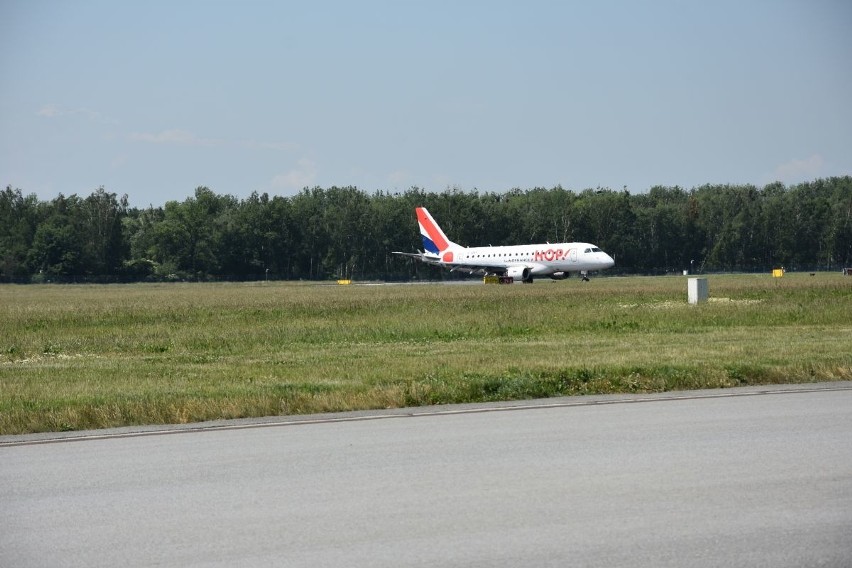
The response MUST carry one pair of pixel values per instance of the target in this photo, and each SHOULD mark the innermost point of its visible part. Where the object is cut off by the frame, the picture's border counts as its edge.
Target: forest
(345, 232)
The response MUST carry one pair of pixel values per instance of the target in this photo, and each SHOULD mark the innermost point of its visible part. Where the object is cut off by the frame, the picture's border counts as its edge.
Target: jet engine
(518, 273)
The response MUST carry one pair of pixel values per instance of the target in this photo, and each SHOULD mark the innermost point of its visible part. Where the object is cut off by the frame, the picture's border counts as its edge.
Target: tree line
(344, 232)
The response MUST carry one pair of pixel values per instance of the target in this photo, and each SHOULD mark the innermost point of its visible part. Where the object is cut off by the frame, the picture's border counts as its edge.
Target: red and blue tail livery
(518, 262)
(435, 242)
(434, 239)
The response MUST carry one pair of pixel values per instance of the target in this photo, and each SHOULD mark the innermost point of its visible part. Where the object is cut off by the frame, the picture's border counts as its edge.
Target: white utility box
(697, 290)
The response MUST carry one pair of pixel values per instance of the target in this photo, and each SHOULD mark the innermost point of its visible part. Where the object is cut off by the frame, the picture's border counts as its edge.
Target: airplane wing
(453, 266)
(428, 258)
(471, 268)
(421, 256)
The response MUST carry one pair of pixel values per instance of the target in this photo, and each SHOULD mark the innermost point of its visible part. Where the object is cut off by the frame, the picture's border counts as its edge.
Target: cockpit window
(588, 250)
(596, 249)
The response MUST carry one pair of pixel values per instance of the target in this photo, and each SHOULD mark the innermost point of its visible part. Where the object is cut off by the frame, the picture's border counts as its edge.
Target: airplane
(513, 263)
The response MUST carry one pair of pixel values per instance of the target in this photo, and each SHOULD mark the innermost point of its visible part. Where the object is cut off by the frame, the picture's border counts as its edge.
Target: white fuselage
(519, 262)
(540, 259)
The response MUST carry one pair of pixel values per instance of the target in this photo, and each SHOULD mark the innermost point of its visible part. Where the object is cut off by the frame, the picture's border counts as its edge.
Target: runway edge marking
(415, 412)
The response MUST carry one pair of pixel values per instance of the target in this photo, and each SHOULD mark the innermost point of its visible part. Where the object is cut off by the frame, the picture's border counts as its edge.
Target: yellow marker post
(777, 272)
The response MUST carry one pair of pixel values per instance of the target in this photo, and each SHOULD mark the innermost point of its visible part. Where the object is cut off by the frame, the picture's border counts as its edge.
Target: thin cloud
(56, 111)
(118, 162)
(181, 137)
(796, 170)
(258, 145)
(297, 178)
(49, 111)
(399, 177)
(175, 136)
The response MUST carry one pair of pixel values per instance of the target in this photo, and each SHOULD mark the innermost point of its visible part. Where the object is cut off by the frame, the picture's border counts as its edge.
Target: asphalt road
(761, 479)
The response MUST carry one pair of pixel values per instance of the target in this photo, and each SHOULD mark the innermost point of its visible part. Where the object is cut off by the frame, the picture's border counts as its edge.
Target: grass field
(80, 357)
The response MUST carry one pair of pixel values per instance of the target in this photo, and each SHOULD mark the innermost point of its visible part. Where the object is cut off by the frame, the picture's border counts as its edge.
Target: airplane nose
(608, 262)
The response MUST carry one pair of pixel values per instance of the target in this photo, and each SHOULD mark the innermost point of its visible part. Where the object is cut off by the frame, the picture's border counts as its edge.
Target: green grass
(80, 357)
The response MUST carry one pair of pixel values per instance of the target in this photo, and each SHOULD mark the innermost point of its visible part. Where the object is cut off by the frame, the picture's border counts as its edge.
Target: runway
(762, 478)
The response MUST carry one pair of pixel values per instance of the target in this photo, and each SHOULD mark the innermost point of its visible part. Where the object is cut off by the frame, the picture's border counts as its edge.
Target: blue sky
(155, 98)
